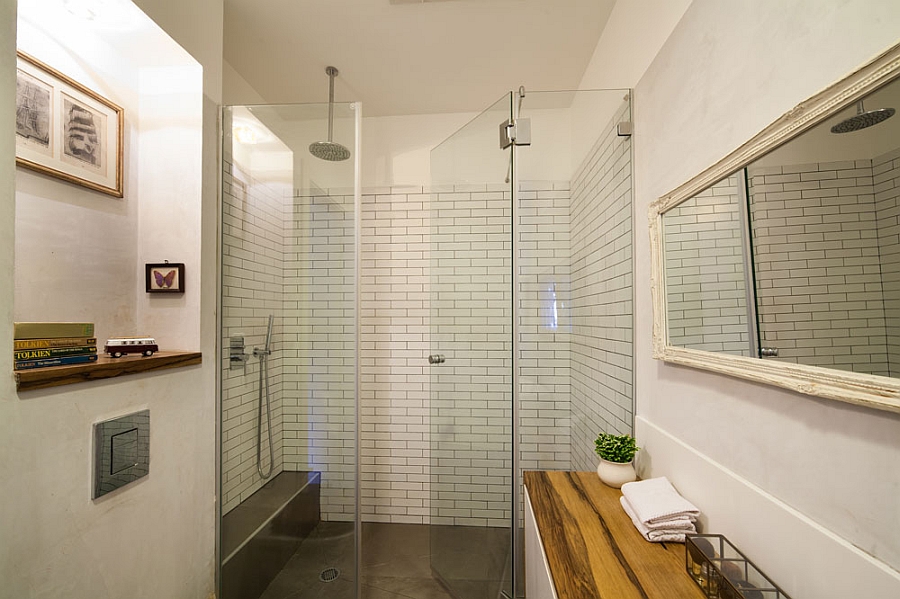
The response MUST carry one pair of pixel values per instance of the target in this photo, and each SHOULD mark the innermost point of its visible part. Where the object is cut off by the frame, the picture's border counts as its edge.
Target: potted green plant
(616, 453)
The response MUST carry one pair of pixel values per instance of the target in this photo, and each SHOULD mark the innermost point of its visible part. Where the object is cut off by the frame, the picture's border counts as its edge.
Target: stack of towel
(658, 511)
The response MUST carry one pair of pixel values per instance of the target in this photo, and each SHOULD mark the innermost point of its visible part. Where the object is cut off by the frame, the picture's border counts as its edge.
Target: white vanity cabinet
(538, 581)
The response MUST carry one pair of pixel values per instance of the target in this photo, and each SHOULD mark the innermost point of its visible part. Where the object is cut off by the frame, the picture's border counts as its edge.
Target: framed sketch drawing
(65, 130)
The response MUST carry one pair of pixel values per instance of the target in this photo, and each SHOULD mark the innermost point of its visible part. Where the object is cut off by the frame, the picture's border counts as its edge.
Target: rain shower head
(329, 150)
(863, 119)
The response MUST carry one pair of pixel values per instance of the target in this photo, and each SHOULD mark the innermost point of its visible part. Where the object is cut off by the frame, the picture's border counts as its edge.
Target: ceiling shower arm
(330, 150)
(332, 72)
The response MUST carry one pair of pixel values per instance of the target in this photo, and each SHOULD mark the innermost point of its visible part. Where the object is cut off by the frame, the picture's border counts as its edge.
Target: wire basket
(723, 572)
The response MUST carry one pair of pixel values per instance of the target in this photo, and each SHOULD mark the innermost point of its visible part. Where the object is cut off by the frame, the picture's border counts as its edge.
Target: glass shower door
(471, 415)
(288, 486)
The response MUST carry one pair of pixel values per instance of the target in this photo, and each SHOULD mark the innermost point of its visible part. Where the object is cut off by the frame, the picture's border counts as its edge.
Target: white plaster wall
(9, 405)
(198, 27)
(69, 236)
(728, 70)
(236, 90)
(630, 41)
(169, 144)
(156, 537)
(396, 150)
(76, 249)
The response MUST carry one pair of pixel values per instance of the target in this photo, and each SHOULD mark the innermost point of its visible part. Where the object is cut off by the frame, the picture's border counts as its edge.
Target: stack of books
(43, 344)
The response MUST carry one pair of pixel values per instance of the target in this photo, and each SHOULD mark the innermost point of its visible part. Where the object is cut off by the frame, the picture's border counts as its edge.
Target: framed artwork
(165, 278)
(65, 130)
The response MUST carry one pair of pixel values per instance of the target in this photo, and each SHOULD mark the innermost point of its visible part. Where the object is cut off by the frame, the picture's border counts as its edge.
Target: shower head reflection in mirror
(792, 243)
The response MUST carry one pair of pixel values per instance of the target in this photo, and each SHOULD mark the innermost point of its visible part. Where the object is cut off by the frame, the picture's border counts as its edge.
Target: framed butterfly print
(165, 278)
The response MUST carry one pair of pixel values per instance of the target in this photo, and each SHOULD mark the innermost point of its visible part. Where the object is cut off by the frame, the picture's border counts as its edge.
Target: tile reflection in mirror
(822, 256)
(822, 282)
(706, 283)
(824, 215)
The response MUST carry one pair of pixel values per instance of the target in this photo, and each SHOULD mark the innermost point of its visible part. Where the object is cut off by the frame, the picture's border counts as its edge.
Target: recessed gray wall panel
(121, 452)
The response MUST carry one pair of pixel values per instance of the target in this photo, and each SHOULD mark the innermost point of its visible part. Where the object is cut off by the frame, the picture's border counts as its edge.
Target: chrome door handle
(436, 359)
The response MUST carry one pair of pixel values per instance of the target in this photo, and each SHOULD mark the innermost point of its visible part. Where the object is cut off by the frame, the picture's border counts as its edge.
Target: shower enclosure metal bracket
(515, 131)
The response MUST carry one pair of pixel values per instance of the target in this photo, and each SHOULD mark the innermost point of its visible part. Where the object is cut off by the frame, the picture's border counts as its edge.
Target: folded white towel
(655, 500)
(659, 535)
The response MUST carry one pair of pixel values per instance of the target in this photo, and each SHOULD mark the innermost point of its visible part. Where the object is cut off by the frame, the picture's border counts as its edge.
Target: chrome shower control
(237, 355)
(768, 352)
(436, 359)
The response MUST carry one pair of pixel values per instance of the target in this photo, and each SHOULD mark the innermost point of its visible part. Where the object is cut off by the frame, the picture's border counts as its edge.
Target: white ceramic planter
(614, 474)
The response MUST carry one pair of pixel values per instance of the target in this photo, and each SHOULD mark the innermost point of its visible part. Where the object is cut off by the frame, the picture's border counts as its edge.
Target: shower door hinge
(516, 131)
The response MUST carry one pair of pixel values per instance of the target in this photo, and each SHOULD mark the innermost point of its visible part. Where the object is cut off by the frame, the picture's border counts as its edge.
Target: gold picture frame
(67, 131)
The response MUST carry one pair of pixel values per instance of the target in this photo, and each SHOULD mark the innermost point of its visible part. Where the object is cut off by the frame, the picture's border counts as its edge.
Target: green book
(44, 330)
(54, 352)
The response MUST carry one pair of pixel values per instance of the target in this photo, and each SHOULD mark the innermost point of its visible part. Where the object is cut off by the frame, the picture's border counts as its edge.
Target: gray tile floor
(397, 563)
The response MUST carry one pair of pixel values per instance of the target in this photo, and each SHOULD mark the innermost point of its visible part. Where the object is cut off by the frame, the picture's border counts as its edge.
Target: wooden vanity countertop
(594, 550)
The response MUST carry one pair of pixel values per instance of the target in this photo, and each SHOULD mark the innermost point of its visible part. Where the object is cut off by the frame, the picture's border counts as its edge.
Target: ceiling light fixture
(245, 135)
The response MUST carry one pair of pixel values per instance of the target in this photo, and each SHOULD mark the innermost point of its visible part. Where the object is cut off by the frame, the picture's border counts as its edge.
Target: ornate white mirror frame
(864, 389)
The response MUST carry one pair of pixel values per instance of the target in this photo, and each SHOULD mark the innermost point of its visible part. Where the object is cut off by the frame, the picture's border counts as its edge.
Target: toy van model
(119, 346)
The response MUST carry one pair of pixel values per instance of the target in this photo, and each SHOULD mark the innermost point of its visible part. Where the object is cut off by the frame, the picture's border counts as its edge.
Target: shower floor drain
(329, 574)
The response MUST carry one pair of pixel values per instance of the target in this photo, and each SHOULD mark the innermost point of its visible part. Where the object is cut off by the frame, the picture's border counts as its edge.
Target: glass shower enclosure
(472, 452)
(428, 344)
(530, 317)
(288, 429)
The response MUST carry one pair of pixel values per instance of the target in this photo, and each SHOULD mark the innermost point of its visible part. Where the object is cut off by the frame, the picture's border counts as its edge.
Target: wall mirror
(781, 262)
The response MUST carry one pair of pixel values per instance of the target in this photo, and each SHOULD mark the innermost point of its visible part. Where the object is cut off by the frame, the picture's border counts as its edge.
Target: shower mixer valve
(236, 355)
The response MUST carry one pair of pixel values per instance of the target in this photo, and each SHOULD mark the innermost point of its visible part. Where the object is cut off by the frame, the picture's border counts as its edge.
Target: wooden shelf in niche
(104, 368)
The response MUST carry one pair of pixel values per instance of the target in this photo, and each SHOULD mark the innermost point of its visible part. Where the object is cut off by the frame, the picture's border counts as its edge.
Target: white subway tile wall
(545, 326)
(440, 282)
(601, 351)
(319, 324)
(394, 290)
(253, 234)
(470, 406)
(706, 290)
(816, 252)
(886, 186)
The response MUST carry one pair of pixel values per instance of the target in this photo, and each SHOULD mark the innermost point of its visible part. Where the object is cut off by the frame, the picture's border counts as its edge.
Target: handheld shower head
(269, 333)
(329, 150)
(267, 348)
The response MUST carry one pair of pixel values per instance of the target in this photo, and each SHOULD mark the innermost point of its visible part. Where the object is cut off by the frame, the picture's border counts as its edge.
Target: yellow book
(23, 344)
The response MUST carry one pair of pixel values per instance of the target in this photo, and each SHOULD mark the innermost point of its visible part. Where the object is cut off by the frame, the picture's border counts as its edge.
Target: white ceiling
(408, 56)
